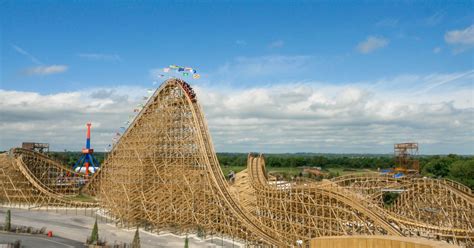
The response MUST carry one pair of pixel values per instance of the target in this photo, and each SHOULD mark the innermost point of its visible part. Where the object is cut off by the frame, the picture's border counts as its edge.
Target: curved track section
(434, 208)
(304, 212)
(33, 180)
(439, 202)
(52, 174)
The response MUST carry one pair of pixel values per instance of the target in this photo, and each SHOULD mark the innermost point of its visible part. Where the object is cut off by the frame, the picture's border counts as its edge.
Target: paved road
(78, 227)
(30, 241)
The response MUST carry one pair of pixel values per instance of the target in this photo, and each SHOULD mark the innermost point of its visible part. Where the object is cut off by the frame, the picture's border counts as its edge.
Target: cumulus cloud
(46, 70)
(294, 117)
(100, 56)
(371, 44)
(60, 118)
(276, 44)
(315, 117)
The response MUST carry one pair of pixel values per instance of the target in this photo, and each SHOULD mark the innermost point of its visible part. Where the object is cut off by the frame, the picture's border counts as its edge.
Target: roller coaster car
(189, 91)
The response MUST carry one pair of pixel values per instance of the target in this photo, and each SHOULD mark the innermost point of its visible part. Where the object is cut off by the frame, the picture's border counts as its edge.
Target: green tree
(463, 172)
(94, 238)
(438, 167)
(136, 239)
(389, 198)
(8, 221)
(186, 242)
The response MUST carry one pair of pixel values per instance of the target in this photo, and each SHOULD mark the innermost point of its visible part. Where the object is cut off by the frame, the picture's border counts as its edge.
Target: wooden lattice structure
(31, 179)
(444, 209)
(163, 174)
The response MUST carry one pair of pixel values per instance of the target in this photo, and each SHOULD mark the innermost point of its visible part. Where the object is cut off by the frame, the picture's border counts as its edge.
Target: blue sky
(55, 47)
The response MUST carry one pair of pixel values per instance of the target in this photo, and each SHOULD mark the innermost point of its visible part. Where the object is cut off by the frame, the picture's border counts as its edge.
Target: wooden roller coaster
(164, 174)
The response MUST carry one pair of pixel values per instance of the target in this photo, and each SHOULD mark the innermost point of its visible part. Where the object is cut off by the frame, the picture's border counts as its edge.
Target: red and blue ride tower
(87, 163)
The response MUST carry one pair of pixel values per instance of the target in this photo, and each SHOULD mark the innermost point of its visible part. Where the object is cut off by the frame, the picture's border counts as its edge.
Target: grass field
(82, 198)
(236, 169)
(345, 171)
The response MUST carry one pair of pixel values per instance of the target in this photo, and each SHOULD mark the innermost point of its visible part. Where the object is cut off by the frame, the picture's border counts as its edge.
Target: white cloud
(46, 70)
(276, 44)
(315, 117)
(100, 56)
(293, 117)
(371, 44)
(462, 39)
(60, 118)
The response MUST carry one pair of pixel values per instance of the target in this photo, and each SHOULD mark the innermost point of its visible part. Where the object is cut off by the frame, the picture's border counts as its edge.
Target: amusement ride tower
(87, 163)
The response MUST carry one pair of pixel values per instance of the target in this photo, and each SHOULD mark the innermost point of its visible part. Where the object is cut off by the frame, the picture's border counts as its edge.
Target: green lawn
(82, 198)
(236, 169)
(345, 171)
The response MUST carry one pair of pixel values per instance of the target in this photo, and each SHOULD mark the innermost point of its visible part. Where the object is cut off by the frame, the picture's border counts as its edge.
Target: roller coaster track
(335, 201)
(439, 207)
(22, 186)
(168, 146)
(463, 232)
(164, 174)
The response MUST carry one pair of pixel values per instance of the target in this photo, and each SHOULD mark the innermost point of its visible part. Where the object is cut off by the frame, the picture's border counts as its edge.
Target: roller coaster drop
(164, 174)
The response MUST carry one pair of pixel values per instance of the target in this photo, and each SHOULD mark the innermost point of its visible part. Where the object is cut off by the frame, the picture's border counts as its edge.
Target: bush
(8, 220)
(136, 239)
(389, 198)
(463, 172)
(94, 238)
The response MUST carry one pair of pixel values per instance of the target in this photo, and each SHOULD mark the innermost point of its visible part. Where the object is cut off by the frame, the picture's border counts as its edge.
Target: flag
(196, 76)
(180, 69)
(185, 74)
(166, 69)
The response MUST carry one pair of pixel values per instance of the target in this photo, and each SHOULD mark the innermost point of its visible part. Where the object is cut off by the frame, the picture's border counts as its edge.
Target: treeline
(312, 160)
(455, 167)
